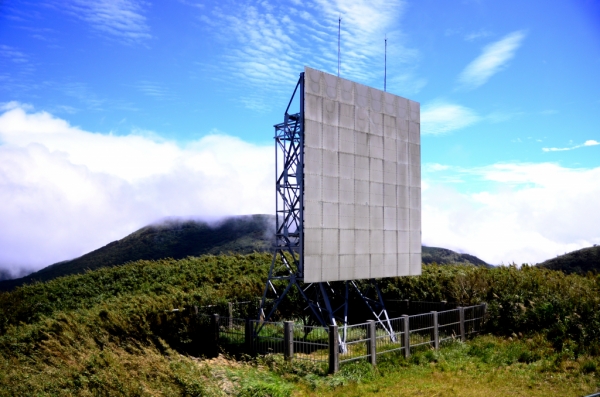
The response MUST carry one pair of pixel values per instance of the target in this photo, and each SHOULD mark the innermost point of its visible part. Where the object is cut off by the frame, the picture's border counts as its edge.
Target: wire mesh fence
(449, 326)
(356, 339)
(355, 342)
(474, 318)
(269, 339)
(389, 335)
(421, 329)
(310, 343)
(232, 331)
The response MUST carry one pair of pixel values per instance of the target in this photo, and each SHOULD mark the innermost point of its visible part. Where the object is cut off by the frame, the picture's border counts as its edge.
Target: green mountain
(182, 238)
(443, 256)
(171, 239)
(580, 261)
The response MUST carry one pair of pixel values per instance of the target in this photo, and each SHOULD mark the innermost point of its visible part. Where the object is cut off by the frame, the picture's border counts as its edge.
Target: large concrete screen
(362, 181)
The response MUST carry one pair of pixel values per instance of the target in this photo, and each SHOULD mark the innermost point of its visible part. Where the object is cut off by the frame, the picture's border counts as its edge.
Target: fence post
(248, 333)
(230, 314)
(288, 340)
(483, 317)
(406, 332)
(334, 349)
(461, 316)
(215, 333)
(371, 342)
(435, 333)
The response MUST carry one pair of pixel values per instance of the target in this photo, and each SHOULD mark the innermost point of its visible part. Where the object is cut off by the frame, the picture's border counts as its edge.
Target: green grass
(485, 366)
(112, 332)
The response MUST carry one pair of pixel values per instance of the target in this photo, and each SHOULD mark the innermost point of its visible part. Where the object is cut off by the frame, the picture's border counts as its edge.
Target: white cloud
(22, 65)
(192, 4)
(477, 35)
(14, 105)
(153, 89)
(13, 54)
(269, 43)
(66, 191)
(493, 58)
(121, 19)
(441, 117)
(525, 213)
(590, 142)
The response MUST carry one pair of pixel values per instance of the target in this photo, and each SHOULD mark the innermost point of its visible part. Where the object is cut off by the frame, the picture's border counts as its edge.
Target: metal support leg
(377, 308)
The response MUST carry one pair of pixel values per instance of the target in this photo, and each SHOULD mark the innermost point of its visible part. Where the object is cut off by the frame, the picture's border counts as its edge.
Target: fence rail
(310, 343)
(335, 345)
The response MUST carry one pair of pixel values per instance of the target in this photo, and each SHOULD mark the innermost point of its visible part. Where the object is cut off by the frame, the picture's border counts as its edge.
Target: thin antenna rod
(385, 66)
(339, 38)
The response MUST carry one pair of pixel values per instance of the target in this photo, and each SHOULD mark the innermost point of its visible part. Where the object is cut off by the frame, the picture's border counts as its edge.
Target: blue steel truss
(287, 265)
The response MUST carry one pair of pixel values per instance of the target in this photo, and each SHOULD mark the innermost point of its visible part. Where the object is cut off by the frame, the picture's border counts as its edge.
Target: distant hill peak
(580, 261)
(173, 237)
(443, 256)
(182, 237)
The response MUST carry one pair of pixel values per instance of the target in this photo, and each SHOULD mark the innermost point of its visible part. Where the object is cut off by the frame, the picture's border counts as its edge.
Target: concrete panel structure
(362, 181)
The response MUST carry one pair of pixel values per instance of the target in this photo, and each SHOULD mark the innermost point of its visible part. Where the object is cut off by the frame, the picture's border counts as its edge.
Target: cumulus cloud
(525, 213)
(66, 191)
(493, 59)
(590, 142)
(441, 117)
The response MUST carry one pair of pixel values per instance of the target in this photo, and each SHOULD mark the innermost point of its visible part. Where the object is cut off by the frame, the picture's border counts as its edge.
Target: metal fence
(449, 326)
(270, 339)
(386, 342)
(336, 345)
(356, 346)
(232, 331)
(310, 343)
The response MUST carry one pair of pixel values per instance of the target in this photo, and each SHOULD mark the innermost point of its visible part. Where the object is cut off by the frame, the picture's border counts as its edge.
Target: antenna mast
(339, 38)
(385, 66)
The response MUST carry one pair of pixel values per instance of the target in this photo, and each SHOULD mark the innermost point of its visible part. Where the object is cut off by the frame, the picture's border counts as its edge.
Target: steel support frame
(377, 306)
(287, 265)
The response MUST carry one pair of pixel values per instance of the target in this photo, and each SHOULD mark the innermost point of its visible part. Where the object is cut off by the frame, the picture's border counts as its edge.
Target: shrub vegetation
(112, 331)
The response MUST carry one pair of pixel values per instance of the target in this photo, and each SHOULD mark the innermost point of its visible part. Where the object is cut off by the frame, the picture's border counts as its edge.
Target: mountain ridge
(443, 256)
(173, 238)
(580, 261)
(179, 238)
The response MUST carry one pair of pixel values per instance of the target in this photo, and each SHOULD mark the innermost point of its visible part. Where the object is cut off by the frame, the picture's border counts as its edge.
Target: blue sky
(117, 113)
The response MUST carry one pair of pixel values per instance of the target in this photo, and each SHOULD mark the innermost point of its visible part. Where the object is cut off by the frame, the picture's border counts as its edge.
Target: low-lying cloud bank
(522, 213)
(65, 191)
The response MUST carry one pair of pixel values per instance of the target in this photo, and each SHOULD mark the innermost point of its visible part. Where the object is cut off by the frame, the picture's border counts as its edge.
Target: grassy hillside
(182, 238)
(172, 239)
(580, 261)
(112, 332)
(443, 256)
